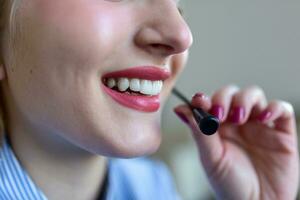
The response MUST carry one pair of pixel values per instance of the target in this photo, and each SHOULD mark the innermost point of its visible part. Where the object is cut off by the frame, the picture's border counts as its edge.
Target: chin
(136, 147)
(138, 135)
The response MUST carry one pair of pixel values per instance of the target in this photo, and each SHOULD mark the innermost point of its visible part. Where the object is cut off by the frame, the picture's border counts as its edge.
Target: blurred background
(240, 42)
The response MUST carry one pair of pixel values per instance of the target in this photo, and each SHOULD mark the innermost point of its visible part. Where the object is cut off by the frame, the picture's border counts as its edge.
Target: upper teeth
(146, 87)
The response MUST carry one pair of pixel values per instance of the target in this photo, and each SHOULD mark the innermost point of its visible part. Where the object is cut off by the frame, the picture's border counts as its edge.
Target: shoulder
(143, 178)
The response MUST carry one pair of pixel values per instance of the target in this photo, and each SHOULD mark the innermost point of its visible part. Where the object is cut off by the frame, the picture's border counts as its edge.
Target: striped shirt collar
(15, 183)
(137, 178)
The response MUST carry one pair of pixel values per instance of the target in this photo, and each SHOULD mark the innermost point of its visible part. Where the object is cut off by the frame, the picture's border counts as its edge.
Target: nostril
(162, 47)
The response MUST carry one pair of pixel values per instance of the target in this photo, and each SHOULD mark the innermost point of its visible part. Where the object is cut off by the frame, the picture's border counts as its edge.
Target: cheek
(78, 29)
(69, 41)
(178, 63)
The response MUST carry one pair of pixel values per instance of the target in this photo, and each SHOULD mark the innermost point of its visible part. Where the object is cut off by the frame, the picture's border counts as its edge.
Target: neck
(60, 169)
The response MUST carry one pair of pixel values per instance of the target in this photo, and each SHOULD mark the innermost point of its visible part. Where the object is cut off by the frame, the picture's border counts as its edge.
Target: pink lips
(137, 102)
(147, 72)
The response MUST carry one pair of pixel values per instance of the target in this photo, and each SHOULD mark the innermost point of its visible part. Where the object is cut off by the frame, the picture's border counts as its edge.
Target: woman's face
(67, 53)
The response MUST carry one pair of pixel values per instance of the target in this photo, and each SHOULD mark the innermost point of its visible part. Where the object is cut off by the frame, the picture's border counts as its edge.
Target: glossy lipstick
(146, 72)
(138, 102)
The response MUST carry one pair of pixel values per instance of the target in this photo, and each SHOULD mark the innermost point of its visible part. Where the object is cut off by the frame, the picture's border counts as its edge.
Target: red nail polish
(217, 111)
(237, 114)
(264, 116)
(182, 117)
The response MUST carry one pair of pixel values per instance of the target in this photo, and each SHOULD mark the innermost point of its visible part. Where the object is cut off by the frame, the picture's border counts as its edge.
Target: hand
(254, 154)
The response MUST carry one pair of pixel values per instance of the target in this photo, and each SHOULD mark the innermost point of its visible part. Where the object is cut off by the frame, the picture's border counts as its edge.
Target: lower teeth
(131, 93)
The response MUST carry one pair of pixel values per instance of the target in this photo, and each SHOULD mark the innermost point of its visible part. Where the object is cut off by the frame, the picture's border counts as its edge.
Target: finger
(282, 114)
(245, 102)
(209, 147)
(221, 101)
(200, 100)
(269, 140)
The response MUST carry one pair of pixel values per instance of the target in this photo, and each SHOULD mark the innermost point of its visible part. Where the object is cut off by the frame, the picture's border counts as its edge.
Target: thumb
(210, 147)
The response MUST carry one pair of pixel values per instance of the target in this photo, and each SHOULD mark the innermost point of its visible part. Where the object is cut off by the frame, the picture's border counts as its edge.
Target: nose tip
(181, 40)
(166, 34)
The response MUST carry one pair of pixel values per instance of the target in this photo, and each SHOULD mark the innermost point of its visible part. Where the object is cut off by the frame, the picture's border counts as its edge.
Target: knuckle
(255, 87)
(252, 94)
(230, 87)
(255, 90)
(225, 91)
(287, 106)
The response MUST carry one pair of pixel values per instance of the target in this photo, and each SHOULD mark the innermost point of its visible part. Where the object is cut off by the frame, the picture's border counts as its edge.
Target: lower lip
(140, 103)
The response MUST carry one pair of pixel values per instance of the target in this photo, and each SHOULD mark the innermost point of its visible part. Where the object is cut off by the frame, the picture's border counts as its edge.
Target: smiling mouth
(137, 88)
(134, 86)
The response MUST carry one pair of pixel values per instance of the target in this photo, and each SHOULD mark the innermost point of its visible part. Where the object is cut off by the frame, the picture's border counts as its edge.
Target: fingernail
(200, 95)
(182, 117)
(264, 116)
(217, 111)
(237, 114)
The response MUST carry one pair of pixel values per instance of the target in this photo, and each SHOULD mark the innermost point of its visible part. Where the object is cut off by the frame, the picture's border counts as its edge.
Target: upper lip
(152, 73)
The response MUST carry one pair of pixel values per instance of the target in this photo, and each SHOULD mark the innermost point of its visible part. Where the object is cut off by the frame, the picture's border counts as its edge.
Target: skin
(253, 158)
(60, 121)
(72, 43)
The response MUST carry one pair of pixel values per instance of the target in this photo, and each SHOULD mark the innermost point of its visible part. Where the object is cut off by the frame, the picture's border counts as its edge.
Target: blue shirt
(129, 179)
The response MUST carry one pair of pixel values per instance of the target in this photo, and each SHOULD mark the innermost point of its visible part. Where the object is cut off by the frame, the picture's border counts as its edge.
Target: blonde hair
(7, 20)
